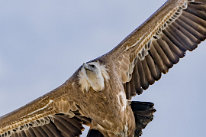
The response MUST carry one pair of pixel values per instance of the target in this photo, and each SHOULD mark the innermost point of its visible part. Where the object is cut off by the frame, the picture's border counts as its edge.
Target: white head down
(93, 75)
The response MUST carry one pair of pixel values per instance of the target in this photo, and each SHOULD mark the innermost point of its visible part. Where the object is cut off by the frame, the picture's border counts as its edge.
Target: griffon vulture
(99, 93)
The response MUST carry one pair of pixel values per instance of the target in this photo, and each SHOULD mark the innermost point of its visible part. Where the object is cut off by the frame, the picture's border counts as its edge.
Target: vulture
(99, 94)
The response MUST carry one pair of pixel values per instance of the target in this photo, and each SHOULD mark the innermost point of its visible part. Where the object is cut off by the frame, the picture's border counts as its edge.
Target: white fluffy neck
(97, 81)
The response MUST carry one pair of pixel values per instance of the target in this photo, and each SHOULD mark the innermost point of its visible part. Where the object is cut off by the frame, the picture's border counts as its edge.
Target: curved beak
(86, 66)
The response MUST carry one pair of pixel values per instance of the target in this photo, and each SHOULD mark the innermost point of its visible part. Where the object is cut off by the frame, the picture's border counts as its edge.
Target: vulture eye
(93, 66)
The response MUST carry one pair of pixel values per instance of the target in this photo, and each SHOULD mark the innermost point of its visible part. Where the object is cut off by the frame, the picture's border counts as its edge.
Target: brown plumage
(98, 94)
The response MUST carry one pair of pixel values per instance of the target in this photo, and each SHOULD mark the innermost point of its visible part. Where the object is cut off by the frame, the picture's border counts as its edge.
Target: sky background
(43, 42)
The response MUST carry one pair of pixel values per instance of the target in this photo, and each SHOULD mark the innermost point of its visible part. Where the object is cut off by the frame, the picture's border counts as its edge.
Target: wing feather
(153, 67)
(136, 78)
(133, 89)
(148, 74)
(143, 80)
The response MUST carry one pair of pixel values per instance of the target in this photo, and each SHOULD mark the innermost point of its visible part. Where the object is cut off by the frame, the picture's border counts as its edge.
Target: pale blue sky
(43, 42)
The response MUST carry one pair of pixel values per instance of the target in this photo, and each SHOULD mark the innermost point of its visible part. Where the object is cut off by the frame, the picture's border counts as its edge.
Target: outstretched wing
(52, 115)
(159, 43)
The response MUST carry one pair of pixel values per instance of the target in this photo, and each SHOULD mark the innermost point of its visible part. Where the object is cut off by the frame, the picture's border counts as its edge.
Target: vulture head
(93, 75)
